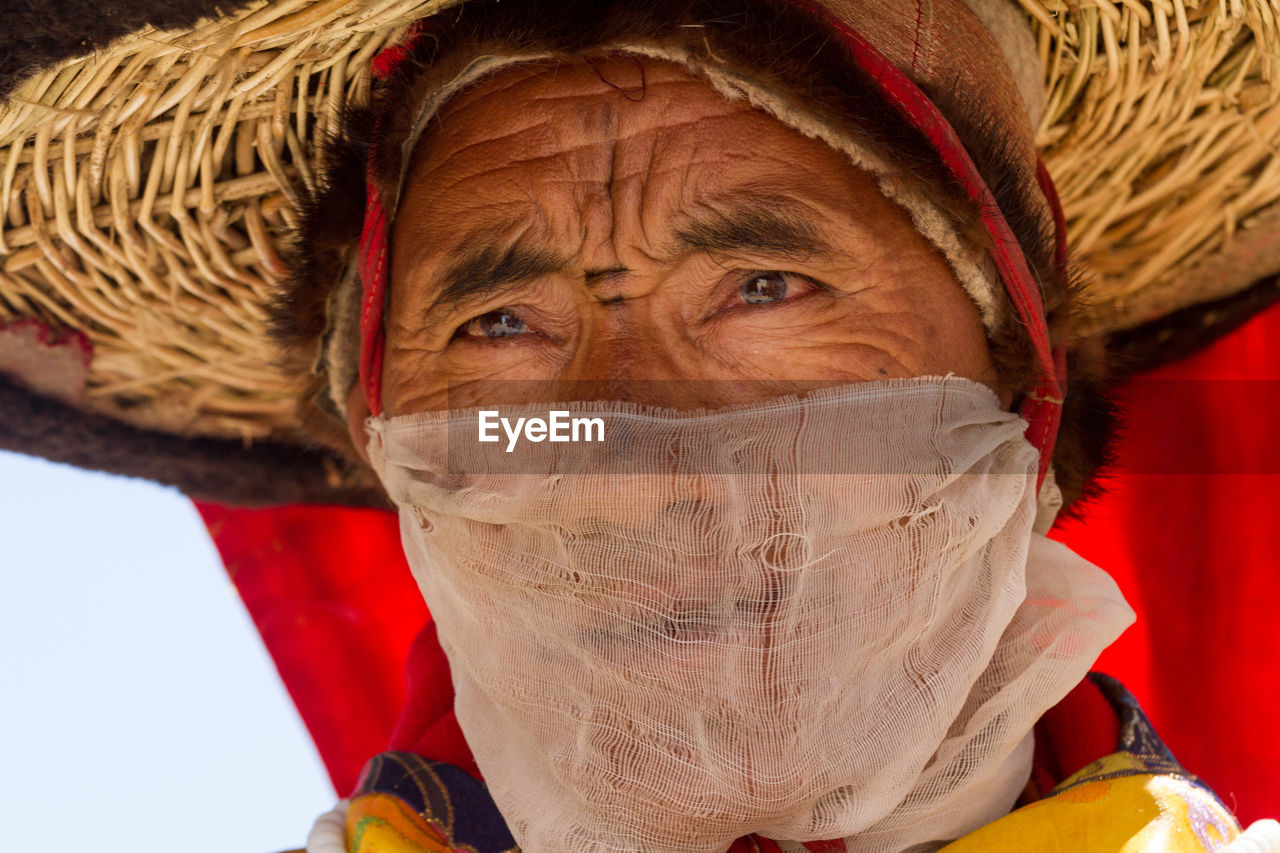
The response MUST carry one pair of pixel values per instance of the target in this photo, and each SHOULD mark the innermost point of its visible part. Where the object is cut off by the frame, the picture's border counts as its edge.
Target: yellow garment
(1111, 806)
(383, 823)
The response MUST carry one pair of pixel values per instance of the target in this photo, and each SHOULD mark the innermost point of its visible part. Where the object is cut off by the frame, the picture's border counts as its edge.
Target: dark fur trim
(218, 470)
(35, 34)
(1090, 419)
(1088, 429)
(1184, 332)
(328, 232)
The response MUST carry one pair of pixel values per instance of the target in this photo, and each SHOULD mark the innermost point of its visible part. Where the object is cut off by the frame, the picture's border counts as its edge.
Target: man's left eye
(495, 324)
(762, 288)
(765, 287)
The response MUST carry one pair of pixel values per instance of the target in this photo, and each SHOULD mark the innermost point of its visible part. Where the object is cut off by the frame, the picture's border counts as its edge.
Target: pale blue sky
(141, 712)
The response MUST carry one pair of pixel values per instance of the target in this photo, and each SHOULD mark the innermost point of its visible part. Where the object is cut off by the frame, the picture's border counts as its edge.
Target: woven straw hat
(148, 189)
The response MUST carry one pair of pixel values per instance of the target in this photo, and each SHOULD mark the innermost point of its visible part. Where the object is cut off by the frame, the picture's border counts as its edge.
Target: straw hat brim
(148, 187)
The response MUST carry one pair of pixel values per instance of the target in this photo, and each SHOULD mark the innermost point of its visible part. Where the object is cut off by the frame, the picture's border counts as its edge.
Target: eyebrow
(483, 270)
(486, 270)
(751, 227)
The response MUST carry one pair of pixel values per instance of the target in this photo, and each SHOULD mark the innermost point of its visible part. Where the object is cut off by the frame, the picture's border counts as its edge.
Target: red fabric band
(1043, 408)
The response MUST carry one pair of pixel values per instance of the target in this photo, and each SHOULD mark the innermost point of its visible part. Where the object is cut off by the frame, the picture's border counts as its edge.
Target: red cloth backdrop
(1188, 529)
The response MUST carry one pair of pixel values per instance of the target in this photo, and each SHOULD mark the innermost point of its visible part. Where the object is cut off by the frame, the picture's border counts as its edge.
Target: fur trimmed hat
(959, 159)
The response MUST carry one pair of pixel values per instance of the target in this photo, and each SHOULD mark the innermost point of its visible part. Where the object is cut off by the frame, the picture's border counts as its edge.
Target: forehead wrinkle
(606, 105)
(632, 195)
(585, 80)
(431, 224)
(520, 158)
(470, 160)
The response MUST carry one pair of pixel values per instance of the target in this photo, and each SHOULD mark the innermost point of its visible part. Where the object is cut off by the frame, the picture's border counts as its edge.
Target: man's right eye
(495, 324)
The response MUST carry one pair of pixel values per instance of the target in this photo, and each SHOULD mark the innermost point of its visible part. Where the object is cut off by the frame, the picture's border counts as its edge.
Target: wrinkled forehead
(596, 98)
(638, 143)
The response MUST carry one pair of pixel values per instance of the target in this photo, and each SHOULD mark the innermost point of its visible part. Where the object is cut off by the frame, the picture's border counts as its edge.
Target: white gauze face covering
(817, 617)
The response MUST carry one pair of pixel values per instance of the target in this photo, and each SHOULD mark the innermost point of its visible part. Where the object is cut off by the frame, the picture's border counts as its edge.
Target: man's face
(688, 657)
(621, 220)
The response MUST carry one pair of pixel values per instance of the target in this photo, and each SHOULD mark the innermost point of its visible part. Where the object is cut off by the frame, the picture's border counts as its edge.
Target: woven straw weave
(146, 188)
(1161, 133)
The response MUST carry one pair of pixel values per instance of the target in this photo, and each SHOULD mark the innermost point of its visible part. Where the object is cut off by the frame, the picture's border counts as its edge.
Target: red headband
(1042, 409)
